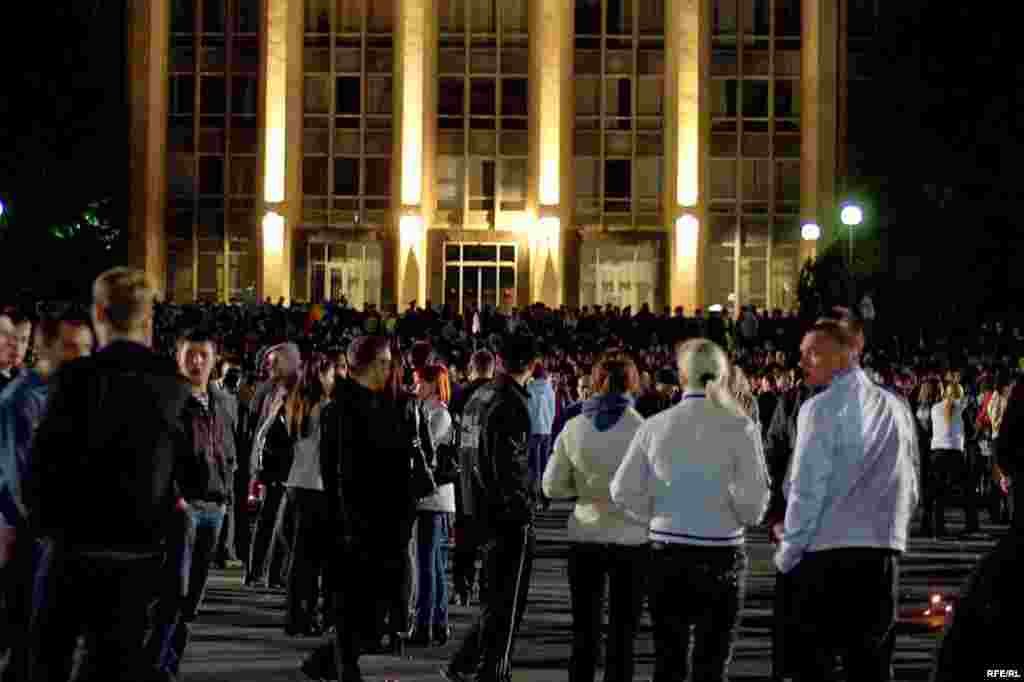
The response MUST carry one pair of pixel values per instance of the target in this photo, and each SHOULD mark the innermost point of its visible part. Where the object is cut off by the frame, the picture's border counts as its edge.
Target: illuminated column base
(686, 263)
(412, 261)
(545, 262)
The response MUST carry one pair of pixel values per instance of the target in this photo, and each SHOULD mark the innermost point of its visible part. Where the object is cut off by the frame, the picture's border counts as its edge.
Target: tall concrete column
(550, 165)
(149, 25)
(818, 118)
(281, 145)
(415, 107)
(687, 52)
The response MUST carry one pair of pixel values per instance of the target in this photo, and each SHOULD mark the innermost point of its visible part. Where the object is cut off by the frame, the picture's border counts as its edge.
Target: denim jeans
(432, 530)
(539, 452)
(171, 630)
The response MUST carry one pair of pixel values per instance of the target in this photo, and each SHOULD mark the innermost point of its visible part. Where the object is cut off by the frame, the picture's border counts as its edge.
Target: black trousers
(310, 538)
(949, 473)
(487, 648)
(592, 566)
(16, 585)
(264, 562)
(106, 600)
(467, 548)
(845, 601)
(784, 650)
(699, 586)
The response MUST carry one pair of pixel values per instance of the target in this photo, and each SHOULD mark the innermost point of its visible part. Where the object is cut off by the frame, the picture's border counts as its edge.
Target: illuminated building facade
(485, 152)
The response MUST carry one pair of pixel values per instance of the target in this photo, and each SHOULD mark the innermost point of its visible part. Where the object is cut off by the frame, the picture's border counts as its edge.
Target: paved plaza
(239, 636)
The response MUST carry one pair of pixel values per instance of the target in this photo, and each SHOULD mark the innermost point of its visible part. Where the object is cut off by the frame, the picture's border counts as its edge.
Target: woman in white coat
(607, 545)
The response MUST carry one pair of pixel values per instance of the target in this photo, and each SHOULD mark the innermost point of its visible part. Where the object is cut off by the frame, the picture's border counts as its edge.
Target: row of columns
(549, 192)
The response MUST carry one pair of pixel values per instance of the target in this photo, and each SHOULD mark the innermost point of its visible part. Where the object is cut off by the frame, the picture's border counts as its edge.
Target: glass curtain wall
(482, 113)
(348, 60)
(619, 89)
(349, 271)
(212, 141)
(754, 153)
(478, 275)
(620, 274)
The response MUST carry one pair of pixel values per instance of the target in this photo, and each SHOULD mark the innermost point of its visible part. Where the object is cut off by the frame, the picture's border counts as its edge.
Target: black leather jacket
(496, 482)
(365, 456)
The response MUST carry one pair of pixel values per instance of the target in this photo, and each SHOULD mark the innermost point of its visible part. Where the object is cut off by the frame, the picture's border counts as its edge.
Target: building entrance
(477, 275)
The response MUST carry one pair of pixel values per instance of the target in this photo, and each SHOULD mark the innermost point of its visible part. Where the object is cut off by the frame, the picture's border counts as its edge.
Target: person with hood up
(607, 544)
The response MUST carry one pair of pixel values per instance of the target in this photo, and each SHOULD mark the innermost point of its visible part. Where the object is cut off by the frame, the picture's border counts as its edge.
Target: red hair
(438, 374)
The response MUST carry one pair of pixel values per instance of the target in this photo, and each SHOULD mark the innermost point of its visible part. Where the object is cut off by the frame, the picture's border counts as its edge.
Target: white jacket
(439, 425)
(698, 471)
(581, 466)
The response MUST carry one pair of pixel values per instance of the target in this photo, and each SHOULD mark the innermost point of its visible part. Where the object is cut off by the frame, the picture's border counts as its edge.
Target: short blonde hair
(127, 296)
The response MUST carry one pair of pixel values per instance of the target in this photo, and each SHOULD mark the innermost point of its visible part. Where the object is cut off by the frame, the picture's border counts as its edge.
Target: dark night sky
(939, 129)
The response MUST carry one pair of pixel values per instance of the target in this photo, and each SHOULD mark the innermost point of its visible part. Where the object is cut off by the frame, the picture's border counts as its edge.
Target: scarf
(606, 409)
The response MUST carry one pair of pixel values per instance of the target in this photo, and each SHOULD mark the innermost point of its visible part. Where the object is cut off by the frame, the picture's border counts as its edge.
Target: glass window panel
(757, 180)
(380, 17)
(211, 175)
(183, 55)
(348, 59)
(380, 61)
(724, 60)
(245, 55)
(508, 254)
(450, 181)
(514, 92)
(618, 144)
(212, 96)
(212, 55)
(513, 16)
(346, 176)
(481, 178)
(314, 175)
(180, 136)
(482, 16)
(317, 59)
(515, 61)
(452, 15)
(347, 95)
(348, 16)
(451, 100)
(588, 96)
(181, 174)
(723, 179)
(213, 16)
(182, 95)
(513, 184)
(619, 62)
(318, 16)
(244, 175)
(650, 144)
(243, 95)
(482, 143)
(651, 62)
(378, 143)
(480, 253)
(514, 144)
(787, 146)
(723, 17)
(787, 62)
(379, 96)
(787, 98)
(588, 61)
(452, 253)
(724, 144)
(247, 16)
(755, 99)
(489, 286)
(757, 145)
(483, 97)
(649, 177)
(211, 141)
(757, 59)
(652, 17)
(787, 18)
(470, 287)
(722, 230)
(617, 178)
(756, 17)
(649, 98)
(451, 286)
(788, 185)
(618, 97)
(453, 61)
(317, 95)
(378, 177)
(183, 16)
(483, 61)
(620, 16)
(588, 17)
(588, 177)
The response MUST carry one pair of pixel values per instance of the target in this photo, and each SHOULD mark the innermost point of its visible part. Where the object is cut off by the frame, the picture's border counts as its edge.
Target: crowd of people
(342, 455)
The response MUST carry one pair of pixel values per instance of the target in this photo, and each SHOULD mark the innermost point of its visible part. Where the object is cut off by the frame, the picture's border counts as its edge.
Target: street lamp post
(852, 216)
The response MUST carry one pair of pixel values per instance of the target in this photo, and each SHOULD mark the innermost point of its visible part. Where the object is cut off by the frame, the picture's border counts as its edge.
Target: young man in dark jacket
(204, 482)
(498, 494)
(100, 489)
(481, 373)
(365, 452)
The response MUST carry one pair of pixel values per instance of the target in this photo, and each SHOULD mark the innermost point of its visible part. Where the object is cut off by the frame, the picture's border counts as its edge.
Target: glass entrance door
(346, 271)
(478, 275)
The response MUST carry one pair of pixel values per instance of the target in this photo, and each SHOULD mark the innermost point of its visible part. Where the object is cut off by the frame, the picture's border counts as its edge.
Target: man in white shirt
(852, 490)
